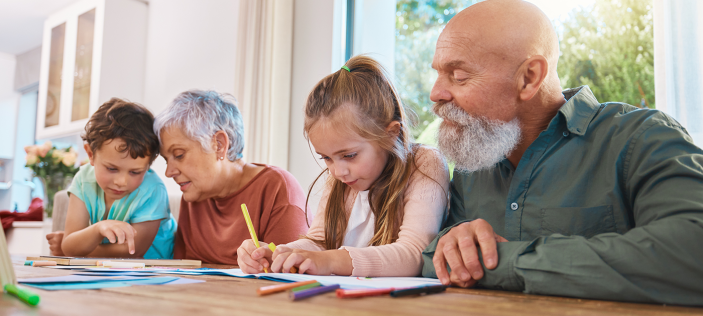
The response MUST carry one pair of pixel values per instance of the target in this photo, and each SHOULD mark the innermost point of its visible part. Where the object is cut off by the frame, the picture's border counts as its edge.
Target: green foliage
(418, 24)
(610, 47)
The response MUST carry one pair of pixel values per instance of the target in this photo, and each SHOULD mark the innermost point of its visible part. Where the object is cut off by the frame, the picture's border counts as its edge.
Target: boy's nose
(121, 181)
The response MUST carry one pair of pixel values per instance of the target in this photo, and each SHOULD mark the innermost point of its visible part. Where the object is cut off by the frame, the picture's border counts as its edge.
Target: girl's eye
(350, 156)
(324, 158)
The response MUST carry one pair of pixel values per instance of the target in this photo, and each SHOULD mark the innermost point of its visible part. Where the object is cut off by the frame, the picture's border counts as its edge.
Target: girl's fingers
(130, 241)
(293, 260)
(278, 261)
(110, 235)
(307, 267)
(243, 257)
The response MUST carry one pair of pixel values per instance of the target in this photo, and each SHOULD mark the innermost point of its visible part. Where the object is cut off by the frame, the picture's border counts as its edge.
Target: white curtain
(263, 80)
(678, 62)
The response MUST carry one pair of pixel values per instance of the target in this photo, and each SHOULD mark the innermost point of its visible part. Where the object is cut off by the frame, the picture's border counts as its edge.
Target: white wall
(190, 45)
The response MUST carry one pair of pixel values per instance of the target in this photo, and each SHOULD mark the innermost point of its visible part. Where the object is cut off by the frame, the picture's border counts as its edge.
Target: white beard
(474, 143)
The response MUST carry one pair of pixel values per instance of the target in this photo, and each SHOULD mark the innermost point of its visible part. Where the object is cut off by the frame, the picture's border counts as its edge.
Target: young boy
(118, 207)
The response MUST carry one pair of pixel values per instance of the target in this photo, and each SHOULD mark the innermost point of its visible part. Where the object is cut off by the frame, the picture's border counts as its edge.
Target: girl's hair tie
(346, 68)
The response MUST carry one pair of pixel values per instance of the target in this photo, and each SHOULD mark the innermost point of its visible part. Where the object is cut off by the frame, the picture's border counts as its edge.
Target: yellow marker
(272, 247)
(251, 229)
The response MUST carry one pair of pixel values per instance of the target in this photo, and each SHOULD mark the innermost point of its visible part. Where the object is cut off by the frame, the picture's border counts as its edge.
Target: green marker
(306, 286)
(27, 296)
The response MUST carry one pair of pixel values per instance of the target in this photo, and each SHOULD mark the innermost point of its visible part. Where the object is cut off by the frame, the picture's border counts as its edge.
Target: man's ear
(91, 155)
(393, 129)
(531, 76)
(221, 144)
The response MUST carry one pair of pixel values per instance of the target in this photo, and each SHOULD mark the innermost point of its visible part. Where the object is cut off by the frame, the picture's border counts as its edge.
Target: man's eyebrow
(449, 65)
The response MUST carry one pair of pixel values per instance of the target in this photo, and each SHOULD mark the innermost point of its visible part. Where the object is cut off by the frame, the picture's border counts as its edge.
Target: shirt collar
(580, 108)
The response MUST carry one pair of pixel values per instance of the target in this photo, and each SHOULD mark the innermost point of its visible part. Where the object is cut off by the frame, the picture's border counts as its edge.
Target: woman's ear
(221, 144)
(91, 155)
(393, 129)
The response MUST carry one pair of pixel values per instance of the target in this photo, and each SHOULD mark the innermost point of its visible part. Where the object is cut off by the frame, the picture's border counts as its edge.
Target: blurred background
(61, 59)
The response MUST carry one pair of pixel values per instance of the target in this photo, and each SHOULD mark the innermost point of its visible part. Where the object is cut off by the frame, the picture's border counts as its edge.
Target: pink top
(424, 204)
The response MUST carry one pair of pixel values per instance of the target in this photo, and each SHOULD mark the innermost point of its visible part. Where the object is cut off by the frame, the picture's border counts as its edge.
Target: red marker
(363, 293)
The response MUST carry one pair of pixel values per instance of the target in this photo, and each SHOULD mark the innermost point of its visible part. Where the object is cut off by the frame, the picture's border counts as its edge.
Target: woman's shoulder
(273, 176)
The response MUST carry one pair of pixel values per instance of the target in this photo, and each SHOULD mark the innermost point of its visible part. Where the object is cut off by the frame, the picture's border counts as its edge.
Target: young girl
(118, 207)
(385, 198)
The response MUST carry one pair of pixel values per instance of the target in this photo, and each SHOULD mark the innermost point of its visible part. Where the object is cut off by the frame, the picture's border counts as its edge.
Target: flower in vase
(58, 155)
(32, 158)
(69, 159)
(44, 149)
(33, 149)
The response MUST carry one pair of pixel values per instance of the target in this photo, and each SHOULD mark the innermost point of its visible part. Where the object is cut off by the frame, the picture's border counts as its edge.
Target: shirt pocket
(578, 221)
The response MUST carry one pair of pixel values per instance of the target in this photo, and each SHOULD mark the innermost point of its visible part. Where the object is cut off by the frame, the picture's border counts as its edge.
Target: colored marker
(305, 287)
(429, 289)
(251, 229)
(282, 287)
(27, 296)
(43, 263)
(363, 293)
(295, 296)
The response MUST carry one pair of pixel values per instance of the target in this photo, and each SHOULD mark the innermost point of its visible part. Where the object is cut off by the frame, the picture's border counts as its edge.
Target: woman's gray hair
(200, 114)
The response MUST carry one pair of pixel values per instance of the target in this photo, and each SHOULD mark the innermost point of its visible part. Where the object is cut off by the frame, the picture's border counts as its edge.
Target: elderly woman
(201, 134)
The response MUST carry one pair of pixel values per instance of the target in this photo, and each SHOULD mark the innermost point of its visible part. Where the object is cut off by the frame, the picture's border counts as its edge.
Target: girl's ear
(221, 144)
(393, 129)
(91, 155)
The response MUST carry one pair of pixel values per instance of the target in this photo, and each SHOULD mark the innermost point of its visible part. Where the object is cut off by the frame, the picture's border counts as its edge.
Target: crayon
(429, 289)
(281, 287)
(252, 232)
(26, 296)
(295, 296)
(42, 263)
(363, 293)
(305, 287)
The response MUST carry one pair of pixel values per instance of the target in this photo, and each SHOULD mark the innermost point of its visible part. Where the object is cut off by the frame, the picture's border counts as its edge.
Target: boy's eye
(136, 173)
(111, 169)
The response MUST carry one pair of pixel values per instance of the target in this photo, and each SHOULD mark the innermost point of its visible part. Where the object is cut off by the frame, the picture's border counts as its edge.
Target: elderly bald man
(557, 193)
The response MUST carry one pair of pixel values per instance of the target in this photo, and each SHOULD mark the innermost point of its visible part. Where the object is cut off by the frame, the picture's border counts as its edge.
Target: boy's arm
(81, 239)
(144, 235)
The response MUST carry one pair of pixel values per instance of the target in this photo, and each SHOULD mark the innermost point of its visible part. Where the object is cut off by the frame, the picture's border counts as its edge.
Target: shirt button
(513, 206)
(566, 134)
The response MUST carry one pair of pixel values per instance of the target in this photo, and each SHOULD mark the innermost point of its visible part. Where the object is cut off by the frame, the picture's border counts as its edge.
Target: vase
(53, 183)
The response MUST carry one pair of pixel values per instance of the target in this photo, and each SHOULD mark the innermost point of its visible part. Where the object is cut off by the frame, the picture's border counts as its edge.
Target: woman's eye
(178, 157)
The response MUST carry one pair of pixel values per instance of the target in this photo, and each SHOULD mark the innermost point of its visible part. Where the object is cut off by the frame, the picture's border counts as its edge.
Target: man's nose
(439, 93)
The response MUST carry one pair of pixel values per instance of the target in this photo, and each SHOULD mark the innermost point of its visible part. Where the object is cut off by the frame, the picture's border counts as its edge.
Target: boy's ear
(393, 129)
(221, 144)
(91, 155)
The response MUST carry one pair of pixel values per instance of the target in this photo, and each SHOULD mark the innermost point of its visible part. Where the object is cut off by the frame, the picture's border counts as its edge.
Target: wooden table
(221, 295)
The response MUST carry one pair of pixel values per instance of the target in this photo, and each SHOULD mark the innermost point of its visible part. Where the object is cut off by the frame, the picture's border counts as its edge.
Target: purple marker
(294, 296)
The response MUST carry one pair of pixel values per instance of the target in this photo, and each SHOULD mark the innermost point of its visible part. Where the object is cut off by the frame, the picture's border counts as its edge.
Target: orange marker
(282, 287)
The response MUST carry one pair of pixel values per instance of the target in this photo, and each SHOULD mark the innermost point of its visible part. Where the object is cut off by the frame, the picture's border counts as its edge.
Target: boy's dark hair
(131, 122)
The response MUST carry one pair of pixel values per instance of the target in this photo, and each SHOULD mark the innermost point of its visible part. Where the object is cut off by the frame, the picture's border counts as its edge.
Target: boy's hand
(252, 260)
(312, 262)
(117, 231)
(55, 239)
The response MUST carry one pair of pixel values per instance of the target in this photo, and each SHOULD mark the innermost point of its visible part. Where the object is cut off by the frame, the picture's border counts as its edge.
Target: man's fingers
(243, 259)
(469, 257)
(455, 261)
(500, 238)
(487, 243)
(440, 266)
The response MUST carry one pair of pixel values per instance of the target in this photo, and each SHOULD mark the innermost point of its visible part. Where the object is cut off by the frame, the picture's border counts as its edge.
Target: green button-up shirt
(606, 203)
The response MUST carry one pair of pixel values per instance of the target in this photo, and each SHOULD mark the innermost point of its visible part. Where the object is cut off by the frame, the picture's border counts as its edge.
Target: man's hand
(117, 231)
(55, 239)
(458, 248)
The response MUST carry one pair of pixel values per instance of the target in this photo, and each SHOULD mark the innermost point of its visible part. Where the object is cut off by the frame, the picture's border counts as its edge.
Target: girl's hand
(117, 231)
(54, 240)
(252, 260)
(312, 262)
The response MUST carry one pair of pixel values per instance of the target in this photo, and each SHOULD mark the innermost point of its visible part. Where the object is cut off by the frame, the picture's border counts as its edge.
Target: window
(606, 44)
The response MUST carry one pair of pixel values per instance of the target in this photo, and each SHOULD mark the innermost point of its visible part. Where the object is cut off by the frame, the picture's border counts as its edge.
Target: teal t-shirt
(148, 202)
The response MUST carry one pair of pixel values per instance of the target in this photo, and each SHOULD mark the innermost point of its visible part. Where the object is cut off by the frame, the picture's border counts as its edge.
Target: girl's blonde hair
(371, 104)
